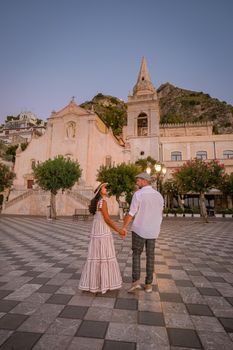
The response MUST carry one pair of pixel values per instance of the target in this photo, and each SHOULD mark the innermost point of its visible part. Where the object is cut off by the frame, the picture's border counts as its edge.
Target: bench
(81, 213)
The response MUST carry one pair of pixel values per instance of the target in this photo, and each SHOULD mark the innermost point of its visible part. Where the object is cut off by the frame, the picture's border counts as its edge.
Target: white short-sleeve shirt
(147, 209)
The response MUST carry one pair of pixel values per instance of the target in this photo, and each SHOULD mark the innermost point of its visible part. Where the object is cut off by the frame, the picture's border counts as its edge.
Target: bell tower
(143, 117)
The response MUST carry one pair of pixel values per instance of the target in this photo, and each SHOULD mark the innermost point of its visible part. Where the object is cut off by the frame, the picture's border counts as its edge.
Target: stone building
(21, 129)
(81, 135)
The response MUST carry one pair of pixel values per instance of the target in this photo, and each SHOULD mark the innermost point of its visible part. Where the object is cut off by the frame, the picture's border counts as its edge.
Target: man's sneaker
(134, 288)
(148, 288)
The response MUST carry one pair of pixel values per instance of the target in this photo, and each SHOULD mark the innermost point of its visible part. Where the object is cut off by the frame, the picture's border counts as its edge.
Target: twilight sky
(51, 50)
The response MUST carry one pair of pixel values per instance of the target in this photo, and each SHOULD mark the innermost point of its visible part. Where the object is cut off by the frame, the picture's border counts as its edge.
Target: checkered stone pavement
(191, 306)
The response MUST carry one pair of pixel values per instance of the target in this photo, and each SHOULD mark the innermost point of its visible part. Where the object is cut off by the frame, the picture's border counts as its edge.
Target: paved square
(191, 306)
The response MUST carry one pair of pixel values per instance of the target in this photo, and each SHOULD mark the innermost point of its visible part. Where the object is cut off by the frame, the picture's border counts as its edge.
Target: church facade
(81, 135)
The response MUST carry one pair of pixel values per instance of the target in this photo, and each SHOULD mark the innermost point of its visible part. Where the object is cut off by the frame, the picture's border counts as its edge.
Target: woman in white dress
(101, 271)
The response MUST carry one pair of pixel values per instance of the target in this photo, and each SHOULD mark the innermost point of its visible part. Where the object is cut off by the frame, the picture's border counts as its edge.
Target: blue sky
(52, 50)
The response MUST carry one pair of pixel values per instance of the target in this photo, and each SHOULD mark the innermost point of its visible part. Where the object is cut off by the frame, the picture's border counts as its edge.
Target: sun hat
(144, 176)
(99, 187)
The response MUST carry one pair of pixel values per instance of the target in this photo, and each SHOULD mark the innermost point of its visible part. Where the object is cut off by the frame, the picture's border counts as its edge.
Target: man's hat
(144, 176)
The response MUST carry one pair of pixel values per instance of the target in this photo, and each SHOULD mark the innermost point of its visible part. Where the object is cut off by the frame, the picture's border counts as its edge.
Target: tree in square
(56, 174)
(198, 176)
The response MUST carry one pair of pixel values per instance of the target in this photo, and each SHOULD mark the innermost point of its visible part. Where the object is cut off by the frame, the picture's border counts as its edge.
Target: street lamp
(148, 170)
(159, 172)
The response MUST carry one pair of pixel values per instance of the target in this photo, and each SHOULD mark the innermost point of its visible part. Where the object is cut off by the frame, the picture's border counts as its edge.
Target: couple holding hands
(101, 271)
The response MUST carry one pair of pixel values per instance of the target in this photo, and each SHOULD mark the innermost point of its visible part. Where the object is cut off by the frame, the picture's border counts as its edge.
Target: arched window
(201, 155)
(142, 125)
(227, 154)
(176, 155)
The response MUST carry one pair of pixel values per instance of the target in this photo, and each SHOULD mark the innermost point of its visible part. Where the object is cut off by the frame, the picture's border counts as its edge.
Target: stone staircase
(79, 197)
(21, 200)
(18, 198)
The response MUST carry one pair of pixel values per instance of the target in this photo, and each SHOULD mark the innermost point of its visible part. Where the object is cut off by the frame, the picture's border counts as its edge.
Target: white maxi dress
(101, 271)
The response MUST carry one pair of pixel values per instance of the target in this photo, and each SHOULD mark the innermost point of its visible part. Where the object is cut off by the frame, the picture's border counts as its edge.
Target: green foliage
(196, 210)
(170, 186)
(190, 102)
(179, 210)
(58, 173)
(11, 151)
(215, 130)
(9, 118)
(169, 210)
(145, 162)
(110, 109)
(199, 176)
(227, 124)
(229, 211)
(188, 211)
(114, 118)
(114, 100)
(224, 210)
(171, 118)
(120, 179)
(226, 185)
(3, 149)
(6, 177)
(24, 146)
(213, 116)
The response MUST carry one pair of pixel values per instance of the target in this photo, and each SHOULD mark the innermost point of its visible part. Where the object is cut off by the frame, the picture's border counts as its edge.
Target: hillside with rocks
(110, 109)
(176, 106)
(182, 106)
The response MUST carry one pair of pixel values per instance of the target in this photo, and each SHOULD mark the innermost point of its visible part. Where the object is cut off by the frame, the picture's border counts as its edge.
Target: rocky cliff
(180, 106)
(176, 106)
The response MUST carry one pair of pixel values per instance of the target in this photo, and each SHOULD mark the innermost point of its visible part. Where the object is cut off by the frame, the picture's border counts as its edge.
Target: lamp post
(159, 172)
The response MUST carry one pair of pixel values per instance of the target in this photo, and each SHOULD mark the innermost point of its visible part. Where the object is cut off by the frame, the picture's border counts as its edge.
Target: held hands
(122, 233)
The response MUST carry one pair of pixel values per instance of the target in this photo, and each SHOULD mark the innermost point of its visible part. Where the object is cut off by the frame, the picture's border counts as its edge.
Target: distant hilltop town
(21, 128)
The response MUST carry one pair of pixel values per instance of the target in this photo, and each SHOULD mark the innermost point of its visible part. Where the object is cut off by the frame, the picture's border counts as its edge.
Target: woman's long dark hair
(93, 205)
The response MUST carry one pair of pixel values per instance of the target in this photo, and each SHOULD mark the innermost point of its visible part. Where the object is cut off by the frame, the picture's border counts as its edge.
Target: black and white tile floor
(191, 306)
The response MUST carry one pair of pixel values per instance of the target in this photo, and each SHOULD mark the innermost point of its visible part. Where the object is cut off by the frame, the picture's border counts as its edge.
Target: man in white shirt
(146, 211)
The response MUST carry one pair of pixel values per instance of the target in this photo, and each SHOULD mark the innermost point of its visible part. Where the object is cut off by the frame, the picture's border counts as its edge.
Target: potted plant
(196, 212)
(180, 212)
(171, 212)
(219, 212)
(165, 212)
(188, 213)
(228, 213)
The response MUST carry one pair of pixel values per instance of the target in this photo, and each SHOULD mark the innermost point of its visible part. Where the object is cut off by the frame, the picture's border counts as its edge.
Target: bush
(220, 210)
(196, 210)
(179, 211)
(224, 210)
(188, 211)
(169, 210)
